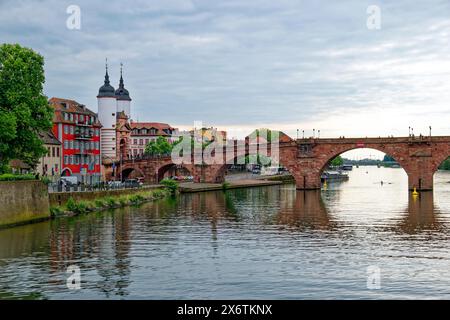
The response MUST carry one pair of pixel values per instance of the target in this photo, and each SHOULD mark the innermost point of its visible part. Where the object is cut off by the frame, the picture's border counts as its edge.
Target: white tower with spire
(123, 97)
(107, 109)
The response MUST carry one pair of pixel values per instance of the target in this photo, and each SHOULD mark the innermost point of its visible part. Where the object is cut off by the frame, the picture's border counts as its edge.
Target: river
(257, 243)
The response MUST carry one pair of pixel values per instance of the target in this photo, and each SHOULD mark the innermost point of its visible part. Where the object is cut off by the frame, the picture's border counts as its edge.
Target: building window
(66, 144)
(144, 131)
(57, 152)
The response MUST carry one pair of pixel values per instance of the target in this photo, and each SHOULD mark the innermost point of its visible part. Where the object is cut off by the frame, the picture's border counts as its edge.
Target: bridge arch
(131, 172)
(218, 172)
(309, 172)
(163, 169)
(398, 157)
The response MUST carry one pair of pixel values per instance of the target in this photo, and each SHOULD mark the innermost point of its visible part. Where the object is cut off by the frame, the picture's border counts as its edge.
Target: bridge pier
(307, 181)
(421, 182)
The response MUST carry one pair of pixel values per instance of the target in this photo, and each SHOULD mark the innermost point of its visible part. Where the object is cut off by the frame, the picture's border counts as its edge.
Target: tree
(388, 158)
(337, 162)
(24, 110)
(445, 165)
(159, 147)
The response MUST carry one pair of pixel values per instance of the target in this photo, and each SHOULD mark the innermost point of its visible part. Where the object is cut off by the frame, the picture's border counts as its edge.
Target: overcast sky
(239, 65)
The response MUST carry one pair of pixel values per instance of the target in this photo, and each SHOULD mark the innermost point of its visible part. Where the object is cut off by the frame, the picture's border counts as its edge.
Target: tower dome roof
(122, 93)
(106, 90)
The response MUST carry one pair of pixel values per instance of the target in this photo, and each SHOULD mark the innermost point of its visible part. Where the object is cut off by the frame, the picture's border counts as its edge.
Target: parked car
(256, 171)
(70, 180)
(115, 184)
(132, 183)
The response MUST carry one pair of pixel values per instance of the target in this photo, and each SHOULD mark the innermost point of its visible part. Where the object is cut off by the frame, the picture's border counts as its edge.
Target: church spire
(121, 78)
(121, 92)
(106, 90)
(106, 74)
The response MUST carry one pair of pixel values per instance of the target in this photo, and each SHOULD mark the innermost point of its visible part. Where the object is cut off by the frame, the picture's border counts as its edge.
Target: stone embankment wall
(22, 202)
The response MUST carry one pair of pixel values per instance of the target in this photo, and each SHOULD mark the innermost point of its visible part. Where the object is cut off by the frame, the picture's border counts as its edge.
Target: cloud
(242, 64)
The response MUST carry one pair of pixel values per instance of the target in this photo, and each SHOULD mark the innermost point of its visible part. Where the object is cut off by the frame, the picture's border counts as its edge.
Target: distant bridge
(306, 159)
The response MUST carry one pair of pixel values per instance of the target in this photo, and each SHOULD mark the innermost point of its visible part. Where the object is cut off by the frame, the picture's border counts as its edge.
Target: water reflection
(267, 242)
(304, 210)
(421, 216)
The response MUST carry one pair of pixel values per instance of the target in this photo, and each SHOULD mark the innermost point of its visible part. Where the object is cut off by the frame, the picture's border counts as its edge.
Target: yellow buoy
(415, 193)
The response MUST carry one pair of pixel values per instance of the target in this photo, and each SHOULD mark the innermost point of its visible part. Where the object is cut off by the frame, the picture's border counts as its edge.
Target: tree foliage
(24, 110)
(445, 165)
(158, 147)
(388, 158)
(337, 162)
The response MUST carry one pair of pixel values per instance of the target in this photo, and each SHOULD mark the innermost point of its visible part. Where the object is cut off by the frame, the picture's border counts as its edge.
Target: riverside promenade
(187, 187)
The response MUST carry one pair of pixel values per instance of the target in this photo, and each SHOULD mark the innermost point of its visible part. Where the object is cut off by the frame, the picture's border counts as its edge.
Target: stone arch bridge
(306, 159)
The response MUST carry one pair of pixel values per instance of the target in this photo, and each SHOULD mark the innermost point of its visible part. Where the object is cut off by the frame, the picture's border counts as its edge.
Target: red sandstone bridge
(306, 159)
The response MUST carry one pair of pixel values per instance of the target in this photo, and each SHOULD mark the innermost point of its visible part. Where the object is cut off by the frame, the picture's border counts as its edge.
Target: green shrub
(71, 205)
(170, 185)
(225, 186)
(46, 180)
(111, 201)
(136, 198)
(16, 177)
(56, 211)
(123, 200)
(77, 207)
(100, 203)
(157, 193)
(82, 207)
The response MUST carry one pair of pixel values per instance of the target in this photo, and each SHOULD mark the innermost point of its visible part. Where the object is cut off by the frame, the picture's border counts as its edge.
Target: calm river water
(258, 243)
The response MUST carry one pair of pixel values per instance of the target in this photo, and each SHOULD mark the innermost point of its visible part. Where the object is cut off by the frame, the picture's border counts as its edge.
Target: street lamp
(318, 134)
(314, 133)
(303, 131)
(297, 134)
(430, 131)
(409, 131)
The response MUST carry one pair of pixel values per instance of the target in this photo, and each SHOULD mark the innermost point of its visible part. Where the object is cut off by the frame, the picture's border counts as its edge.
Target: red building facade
(78, 130)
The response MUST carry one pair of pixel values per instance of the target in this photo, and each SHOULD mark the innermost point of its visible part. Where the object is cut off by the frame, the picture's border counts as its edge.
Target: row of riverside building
(81, 140)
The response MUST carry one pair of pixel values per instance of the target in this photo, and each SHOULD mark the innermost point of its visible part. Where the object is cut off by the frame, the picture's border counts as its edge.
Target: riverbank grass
(76, 207)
